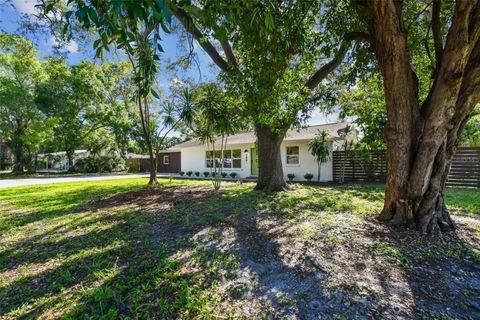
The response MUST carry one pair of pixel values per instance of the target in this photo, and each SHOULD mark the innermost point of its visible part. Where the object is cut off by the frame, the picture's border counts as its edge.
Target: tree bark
(270, 174)
(18, 155)
(421, 140)
(71, 164)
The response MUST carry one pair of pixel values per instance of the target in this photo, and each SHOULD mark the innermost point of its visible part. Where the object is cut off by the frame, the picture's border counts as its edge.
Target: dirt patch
(311, 264)
(304, 268)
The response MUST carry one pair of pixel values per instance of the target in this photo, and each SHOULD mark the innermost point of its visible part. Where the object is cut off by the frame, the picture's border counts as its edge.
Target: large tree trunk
(270, 174)
(421, 140)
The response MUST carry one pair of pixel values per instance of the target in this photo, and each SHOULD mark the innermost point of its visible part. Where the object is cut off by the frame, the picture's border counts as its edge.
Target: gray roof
(295, 134)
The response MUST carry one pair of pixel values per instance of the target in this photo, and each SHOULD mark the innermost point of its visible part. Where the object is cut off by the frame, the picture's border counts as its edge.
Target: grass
(87, 250)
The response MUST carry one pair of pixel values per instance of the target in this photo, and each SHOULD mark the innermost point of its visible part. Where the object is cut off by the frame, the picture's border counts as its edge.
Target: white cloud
(25, 6)
(71, 46)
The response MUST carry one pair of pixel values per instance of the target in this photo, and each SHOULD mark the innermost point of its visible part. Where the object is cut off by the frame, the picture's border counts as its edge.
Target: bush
(224, 174)
(206, 173)
(233, 175)
(189, 173)
(308, 176)
(93, 164)
(197, 174)
(182, 173)
(291, 176)
(214, 174)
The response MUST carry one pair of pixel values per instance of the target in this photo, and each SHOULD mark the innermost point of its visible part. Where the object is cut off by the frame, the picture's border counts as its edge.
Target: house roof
(295, 134)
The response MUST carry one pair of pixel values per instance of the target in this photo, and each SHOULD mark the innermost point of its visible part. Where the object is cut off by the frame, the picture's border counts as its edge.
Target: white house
(241, 153)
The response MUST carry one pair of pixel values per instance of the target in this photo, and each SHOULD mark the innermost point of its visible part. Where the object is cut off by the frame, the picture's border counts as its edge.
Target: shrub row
(307, 176)
(207, 174)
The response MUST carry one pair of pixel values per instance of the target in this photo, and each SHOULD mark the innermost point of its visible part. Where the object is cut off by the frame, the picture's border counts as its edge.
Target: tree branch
(437, 32)
(201, 39)
(229, 53)
(326, 69)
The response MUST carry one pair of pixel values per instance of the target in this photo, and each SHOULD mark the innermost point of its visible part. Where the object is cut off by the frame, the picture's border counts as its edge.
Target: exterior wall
(307, 163)
(194, 159)
(174, 164)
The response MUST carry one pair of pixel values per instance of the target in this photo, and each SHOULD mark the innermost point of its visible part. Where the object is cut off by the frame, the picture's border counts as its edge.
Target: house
(241, 153)
(58, 161)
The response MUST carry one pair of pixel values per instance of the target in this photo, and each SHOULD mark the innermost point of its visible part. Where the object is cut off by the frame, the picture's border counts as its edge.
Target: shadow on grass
(186, 252)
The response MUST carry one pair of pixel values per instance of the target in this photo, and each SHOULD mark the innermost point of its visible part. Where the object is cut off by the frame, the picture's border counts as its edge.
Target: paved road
(7, 183)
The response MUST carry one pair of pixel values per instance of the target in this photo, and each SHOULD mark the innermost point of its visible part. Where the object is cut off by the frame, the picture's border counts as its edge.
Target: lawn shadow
(185, 252)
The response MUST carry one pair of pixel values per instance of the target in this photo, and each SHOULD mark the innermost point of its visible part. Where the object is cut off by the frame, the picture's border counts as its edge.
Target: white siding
(307, 163)
(194, 159)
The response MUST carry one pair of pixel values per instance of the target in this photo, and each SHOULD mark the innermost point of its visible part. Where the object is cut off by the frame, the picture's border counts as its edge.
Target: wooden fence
(371, 166)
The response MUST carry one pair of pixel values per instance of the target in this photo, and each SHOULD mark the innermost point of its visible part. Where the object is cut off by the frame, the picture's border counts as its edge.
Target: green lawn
(109, 249)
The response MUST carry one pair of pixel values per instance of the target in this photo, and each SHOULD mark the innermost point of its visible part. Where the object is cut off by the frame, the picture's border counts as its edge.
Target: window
(292, 155)
(231, 158)
(166, 159)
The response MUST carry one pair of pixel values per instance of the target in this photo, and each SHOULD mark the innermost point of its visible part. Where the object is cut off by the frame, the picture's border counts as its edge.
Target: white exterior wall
(194, 159)
(307, 163)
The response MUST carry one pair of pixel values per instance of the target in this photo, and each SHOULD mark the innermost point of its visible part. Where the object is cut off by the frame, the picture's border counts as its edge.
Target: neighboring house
(241, 153)
(57, 161)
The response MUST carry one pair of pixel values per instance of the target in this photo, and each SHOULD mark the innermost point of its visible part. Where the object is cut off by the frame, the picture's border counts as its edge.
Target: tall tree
(272, 55)
(422, 134)
(75, 97)
(21, 123)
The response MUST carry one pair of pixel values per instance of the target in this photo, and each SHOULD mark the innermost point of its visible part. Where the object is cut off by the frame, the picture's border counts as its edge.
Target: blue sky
(10, 16)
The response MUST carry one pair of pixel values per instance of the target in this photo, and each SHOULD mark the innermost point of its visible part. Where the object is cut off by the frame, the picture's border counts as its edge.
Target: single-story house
(241, 153)
(58, 161)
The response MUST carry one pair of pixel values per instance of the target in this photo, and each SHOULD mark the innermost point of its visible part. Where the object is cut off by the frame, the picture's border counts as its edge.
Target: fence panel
(371, 166)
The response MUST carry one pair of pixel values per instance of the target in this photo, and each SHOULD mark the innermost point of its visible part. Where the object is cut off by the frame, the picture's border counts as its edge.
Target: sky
(11, 12)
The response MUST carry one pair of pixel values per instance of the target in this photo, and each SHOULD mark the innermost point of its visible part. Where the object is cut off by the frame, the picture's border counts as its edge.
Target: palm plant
(319, 146)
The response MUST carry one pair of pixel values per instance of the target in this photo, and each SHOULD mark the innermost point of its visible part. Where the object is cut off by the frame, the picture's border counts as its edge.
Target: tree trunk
(153, 166)
(270, 170)
(319, 164)
(426, 212)
(71, 164)
(18, 165)
(421, 140)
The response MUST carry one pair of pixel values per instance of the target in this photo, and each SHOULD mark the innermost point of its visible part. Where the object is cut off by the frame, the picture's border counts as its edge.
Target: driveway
(7, 183)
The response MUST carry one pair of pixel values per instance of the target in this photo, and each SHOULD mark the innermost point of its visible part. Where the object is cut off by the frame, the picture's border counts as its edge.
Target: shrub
(308, 176)
(206, 173)
(233, 175)
(189, 173)
(93, 164)
(224, 174)
(214, 174)
(197, 174)
(182, 173)
(291, 176)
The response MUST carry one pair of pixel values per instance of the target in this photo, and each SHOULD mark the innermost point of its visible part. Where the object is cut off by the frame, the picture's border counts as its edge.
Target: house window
(166, 159)
(231, 159)
(293, 155)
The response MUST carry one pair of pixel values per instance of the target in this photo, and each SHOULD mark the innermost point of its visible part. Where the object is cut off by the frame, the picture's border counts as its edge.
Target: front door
(254, 161)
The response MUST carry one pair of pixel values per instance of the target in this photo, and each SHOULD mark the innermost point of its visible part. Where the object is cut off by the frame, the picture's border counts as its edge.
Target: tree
(75, 96)
(271, 54)
(215, 121)
(319, 146)
(423, 133)
(365, 102)
(133, 26)
(21, 123)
